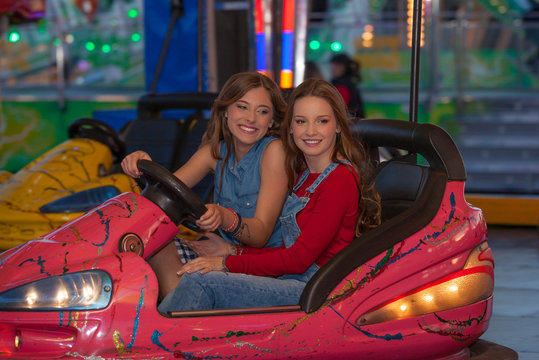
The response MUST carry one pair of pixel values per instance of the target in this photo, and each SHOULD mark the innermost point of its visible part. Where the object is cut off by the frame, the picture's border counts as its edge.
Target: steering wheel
(99, 131)
(168, 192)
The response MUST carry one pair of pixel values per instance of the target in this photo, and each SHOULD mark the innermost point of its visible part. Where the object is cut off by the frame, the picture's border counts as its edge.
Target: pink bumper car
(419, 286)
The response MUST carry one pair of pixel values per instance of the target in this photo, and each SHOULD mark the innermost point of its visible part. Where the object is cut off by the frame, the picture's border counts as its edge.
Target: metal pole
(211, 47)
(200, 46)
(176, 12)
(300, 43)
(434, 50)
(414, 73)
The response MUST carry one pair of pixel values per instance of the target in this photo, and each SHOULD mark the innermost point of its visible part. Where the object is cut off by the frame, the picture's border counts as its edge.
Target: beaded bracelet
(234, 223)
(236, 249)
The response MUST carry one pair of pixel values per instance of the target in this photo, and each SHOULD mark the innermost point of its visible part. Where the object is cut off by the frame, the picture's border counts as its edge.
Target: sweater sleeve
(322, 223)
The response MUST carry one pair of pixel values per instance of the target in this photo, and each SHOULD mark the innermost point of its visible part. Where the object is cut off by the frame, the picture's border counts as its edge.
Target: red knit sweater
(327, 225)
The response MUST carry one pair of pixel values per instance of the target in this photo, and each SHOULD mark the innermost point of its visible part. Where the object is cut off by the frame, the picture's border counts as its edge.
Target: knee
(190, 294)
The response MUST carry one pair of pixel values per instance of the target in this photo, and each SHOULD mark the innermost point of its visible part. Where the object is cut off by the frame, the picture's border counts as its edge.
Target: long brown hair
(346, 147)
(233, 90)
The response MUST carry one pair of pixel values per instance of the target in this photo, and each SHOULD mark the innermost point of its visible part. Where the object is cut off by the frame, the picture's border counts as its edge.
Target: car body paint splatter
(349, 290)
(451, 222)
(387, 337)
(466, 323)
(400, 255)
(106, 222)
(228, 335)
(65, 269)
(39, 261)
(137, 317)
(155, 340)
(118, 342)
(241, 344)
(456, 327)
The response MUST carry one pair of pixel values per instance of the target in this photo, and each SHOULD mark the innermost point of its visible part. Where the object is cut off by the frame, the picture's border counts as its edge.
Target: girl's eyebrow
(317, 116)
(247, 103)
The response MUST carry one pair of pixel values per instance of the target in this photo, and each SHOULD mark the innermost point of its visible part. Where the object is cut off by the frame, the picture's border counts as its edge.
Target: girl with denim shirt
(332, 200)
(250, 177)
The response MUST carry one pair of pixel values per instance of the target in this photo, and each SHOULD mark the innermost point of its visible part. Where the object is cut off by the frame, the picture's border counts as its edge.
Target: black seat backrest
(399, 184)
(161, 138)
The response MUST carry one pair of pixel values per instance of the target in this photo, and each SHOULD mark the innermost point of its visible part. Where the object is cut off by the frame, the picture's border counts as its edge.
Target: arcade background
(479, 69)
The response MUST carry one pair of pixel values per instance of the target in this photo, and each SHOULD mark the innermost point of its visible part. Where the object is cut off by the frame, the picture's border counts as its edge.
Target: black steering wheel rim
(99, 131)
(168, 192)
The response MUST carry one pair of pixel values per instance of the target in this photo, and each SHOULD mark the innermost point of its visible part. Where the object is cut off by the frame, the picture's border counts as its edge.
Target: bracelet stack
(236, 249)
(234, 228)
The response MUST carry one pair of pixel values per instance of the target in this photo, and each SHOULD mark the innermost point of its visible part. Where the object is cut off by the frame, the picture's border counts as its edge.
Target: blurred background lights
(14, 36)
(90, 46)
(314, 44)
(135, 37)
(336, 46)
(106, 48)
(132, 13)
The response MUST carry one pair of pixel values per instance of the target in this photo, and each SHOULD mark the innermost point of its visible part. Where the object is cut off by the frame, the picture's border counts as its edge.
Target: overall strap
(328, 170)
(302, 179)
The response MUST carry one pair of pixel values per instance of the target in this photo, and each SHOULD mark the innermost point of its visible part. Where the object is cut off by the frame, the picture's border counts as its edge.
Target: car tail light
(475, 282)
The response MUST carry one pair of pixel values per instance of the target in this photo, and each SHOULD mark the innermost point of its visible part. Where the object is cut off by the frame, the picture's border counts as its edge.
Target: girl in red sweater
(332, 200)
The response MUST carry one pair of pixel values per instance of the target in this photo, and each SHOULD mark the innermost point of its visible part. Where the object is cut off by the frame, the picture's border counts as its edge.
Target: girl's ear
(338, 129)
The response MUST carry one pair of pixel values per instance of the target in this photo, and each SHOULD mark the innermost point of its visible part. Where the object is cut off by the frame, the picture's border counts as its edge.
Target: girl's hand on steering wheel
(129, 163)
(203, 265)
(212, 219)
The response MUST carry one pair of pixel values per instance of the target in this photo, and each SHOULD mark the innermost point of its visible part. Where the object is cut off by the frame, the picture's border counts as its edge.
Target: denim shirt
(241, 184)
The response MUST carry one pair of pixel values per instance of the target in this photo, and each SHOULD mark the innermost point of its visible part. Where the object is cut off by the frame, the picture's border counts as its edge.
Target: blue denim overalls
(241, 184)
(292, 206)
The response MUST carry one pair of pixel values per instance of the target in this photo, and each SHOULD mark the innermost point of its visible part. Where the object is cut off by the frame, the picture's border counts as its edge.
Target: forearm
(250, 231)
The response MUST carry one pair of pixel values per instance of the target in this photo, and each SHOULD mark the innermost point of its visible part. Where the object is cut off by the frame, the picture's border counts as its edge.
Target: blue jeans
(222, 290)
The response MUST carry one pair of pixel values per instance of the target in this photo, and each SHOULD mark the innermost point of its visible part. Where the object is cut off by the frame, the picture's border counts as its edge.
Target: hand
(129, 163)
(213, 246)
(203, 265)
(212, 219)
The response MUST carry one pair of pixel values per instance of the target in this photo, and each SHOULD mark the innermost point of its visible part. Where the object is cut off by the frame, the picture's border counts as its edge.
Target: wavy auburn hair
(233, 90)
(346, 147)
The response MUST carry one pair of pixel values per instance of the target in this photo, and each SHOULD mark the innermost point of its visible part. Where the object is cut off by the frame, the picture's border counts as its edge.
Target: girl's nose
(251, 116)
(311, 129)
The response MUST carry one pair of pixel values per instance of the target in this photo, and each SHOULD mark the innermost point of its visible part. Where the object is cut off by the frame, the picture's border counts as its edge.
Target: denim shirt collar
(238, 168)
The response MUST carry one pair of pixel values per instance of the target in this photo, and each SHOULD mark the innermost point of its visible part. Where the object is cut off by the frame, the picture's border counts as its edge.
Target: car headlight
(81, 201)
(87, 290)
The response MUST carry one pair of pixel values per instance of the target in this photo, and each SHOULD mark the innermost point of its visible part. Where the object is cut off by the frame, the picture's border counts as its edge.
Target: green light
(314, 44)
(135, 37)
(90, 46)
(106, 48)
(14, 36)
(132, 13)
(336, 46)
(57, 42)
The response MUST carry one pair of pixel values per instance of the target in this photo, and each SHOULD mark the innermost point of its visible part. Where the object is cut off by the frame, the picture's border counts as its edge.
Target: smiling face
(249, 119)
(314, 129)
